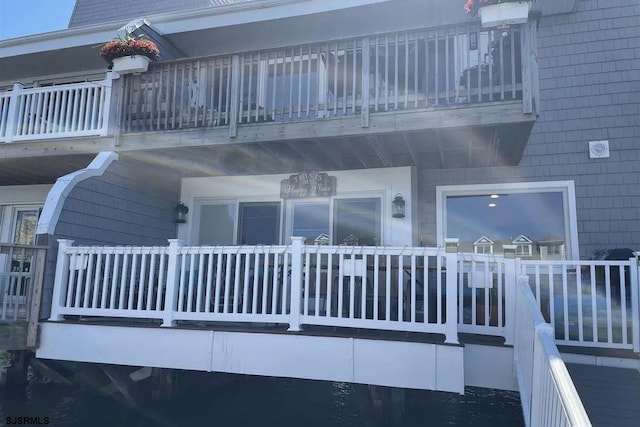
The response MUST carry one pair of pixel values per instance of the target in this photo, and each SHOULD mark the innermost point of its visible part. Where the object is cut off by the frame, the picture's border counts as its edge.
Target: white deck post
(536, 410)
(451, 304)
(634, 265)
(510, 282)
(171, 293)
(12, 116)
(296, 283)
(61, 281)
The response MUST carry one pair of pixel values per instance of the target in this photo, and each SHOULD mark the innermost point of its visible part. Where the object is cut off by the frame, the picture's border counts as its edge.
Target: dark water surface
(259, 401)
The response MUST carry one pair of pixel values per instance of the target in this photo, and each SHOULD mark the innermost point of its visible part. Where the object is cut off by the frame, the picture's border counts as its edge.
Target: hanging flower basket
(499, 13)
(129, 55)
(130, 64)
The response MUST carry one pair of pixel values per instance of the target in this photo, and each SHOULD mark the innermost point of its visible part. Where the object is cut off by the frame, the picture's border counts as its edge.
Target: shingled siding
(130, 204)
(97, 11)
(590, 89)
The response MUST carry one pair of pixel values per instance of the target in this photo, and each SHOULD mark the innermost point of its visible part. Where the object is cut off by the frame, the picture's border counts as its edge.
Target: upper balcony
(431, 97)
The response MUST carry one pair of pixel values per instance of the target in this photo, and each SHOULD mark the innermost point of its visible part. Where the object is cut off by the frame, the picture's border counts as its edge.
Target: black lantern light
(181, 213)
(398, 206)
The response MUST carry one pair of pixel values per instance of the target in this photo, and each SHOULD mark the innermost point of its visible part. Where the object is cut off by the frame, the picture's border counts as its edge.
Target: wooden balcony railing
(429, 68)
(68, 110)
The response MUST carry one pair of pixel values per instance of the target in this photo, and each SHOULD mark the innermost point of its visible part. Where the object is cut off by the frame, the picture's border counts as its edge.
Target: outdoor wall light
(181, 213)
(398, 206)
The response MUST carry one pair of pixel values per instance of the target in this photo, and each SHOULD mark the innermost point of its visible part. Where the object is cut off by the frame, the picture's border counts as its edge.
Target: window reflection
(534, 222)
(357, 222)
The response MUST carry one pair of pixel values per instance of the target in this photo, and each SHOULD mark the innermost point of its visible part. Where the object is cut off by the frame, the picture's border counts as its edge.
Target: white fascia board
(55, 40)
(64, 185)
(176, 22)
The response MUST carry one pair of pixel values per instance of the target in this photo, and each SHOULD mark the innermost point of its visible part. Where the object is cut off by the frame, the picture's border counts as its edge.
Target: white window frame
(567, 188)
(199, 201)
(524, 249)
(484, 247)
(355, 195)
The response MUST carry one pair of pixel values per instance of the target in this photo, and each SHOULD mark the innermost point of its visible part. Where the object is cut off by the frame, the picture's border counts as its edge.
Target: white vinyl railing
(67, 110)
(588, 303)
(401, 289)
(385, 288)
(548, 396)
(484, 282)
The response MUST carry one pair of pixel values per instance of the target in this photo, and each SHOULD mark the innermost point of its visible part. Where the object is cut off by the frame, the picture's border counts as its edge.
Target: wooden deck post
(171, 290)
(60, 282)
(510, 282)
(234, 105)
(451, 301)
(527, 85)
(33, 315)
(366, 51)
(296, 283)
(113, 106)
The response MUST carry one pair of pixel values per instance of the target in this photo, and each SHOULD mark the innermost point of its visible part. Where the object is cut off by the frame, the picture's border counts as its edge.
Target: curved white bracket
(63, 186)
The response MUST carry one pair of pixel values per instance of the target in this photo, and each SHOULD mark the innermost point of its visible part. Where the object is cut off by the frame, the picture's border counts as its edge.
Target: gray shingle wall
(590, 90)
(97, 11)
(129, 205)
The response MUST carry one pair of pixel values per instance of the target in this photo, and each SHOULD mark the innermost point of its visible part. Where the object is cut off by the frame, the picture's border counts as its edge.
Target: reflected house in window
(483, 245)
(351, 240)
(552, 248)
(322, 239)
(524, 246)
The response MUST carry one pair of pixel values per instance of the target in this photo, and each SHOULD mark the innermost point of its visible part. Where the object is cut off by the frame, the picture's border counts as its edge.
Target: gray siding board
(130, 204)
(589, 86)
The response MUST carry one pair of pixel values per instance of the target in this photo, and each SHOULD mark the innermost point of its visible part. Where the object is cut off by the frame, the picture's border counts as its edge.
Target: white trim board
(388, 363)
(24, 194)
(567, 188)
(64, 185)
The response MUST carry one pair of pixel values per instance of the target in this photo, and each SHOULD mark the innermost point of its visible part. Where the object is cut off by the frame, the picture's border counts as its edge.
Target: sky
(25, 17)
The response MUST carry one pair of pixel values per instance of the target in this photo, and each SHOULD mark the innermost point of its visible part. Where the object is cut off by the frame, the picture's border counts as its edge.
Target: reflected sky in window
(539, 216)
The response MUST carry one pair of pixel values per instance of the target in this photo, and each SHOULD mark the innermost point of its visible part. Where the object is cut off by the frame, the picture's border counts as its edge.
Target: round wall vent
(598, 149)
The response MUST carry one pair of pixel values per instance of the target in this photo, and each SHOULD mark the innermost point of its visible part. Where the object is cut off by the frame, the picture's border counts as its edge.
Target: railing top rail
(574, 263)
(115, 249)
(567, 393)
(240, 249)
(67, 86)
(374, 250)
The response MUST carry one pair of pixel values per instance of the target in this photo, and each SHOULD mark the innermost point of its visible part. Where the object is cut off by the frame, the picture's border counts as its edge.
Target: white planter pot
(130, 64)
(500, 14)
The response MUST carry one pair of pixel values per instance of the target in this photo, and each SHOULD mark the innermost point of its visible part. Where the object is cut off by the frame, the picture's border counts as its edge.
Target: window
(483, 249)
(311, 221)
(217, 224)
(26, 222)
(521, 214)
(357, 221)
(259, 223)
(523, 249)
